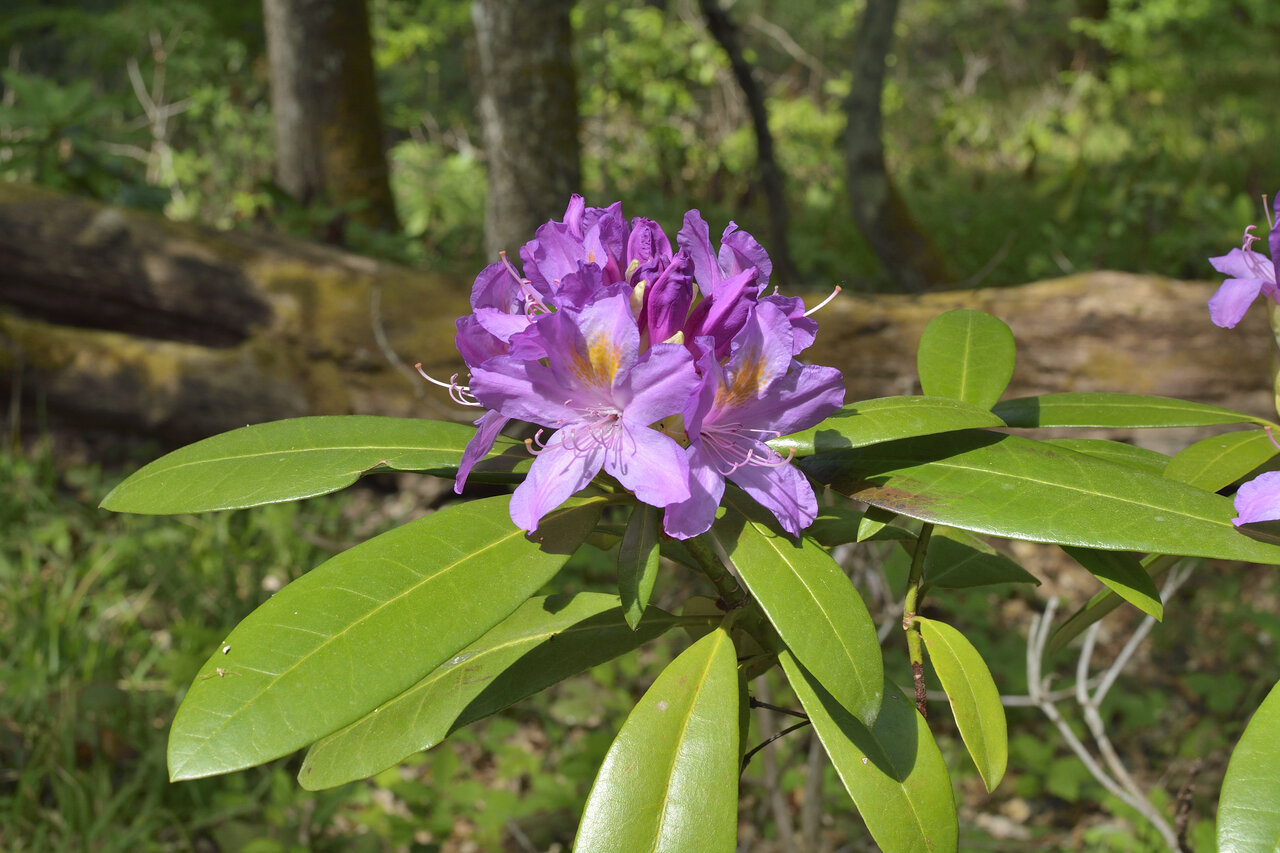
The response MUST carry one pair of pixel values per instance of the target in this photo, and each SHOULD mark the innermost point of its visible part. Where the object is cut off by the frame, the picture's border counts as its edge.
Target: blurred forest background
(945, 143)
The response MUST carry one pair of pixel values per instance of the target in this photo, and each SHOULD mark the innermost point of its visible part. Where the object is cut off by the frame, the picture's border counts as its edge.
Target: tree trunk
(102, 332)
(772, 181)
(906, 252)
(324, 97)
(528, 114)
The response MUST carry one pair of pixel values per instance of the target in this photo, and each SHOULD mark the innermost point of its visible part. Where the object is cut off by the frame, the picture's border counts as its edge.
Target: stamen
(460, 394)
(1266, 211)
(1249, 238)
(815, 309)
(537, 439)
(533, 304)
(1272, 438)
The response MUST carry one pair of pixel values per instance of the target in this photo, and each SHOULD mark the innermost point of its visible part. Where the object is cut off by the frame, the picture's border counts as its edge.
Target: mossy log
(115, 322)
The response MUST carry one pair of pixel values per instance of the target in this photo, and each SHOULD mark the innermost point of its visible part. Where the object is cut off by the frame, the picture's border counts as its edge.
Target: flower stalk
(910, 607)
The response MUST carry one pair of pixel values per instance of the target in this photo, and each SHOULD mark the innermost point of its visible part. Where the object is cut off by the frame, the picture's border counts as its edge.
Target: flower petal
(694, 516)
(804, 330)
(797, 401)
(782, 490)
(722, 314)
(667, 300)
(1227, 307)
(759, 353)
(1258, 499)
(651, 465)
(521, 389)
(592, 350)
(487, 429)
(695, 238)
(558, 472)
(1245, 263)
(1273, 239)
(659, 384)
(739, 251)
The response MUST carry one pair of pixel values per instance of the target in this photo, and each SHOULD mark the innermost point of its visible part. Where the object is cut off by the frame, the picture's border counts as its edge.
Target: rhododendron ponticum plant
(672, 420)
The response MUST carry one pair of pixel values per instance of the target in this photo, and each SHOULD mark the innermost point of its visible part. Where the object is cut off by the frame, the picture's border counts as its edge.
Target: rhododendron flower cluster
(666, 368)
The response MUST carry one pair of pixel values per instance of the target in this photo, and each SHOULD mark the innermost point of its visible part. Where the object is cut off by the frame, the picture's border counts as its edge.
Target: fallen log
(118, 322)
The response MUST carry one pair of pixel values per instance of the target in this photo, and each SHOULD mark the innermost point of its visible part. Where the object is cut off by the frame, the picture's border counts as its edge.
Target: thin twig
(788, 730)
(1121, 784)
(756, 703)
(1182, 805)
(774, 796)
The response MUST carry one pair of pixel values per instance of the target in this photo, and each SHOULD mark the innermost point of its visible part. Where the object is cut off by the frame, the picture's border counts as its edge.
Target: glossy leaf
(1011, 486)
(1142, 458)
(544, 641)
(362, 628)
(1155, 565)
(959, 560)
(966, 355)
(876, 521)
(811, 603)
(1219, 460)
(974, 698)
(1249, 809)
(1098, 409)
(290, 459)
(670, 781)
(885, 419)
(838, 525)
(638, 561)
(1123, 574)
(893, 770)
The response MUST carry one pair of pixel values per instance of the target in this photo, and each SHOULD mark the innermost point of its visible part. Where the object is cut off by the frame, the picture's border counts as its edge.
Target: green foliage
(1029, 140)
(1248, 817)
(314, 665)
(966, 355)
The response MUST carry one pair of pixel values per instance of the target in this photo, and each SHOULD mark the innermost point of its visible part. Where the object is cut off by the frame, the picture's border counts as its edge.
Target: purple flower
(1258, 499)
(600, 394)
(1249, 274)
(668, 371)
(759, 394)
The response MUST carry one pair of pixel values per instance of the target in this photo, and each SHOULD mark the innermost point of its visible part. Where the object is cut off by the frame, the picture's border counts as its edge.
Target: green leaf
(966, 355)
(362, 628)
(1011, 486)
(1151, 461)
(638, 561)
(960, 560)
(544, 641)
(670, 781)
(1219, 460)
(838, 525)
(1097, 409)
(1249, 809)
(893, 771)
(885, 419)
(1123, 574)
(975, 701)
(1155, 565)
(290, 459)
(811, 603)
